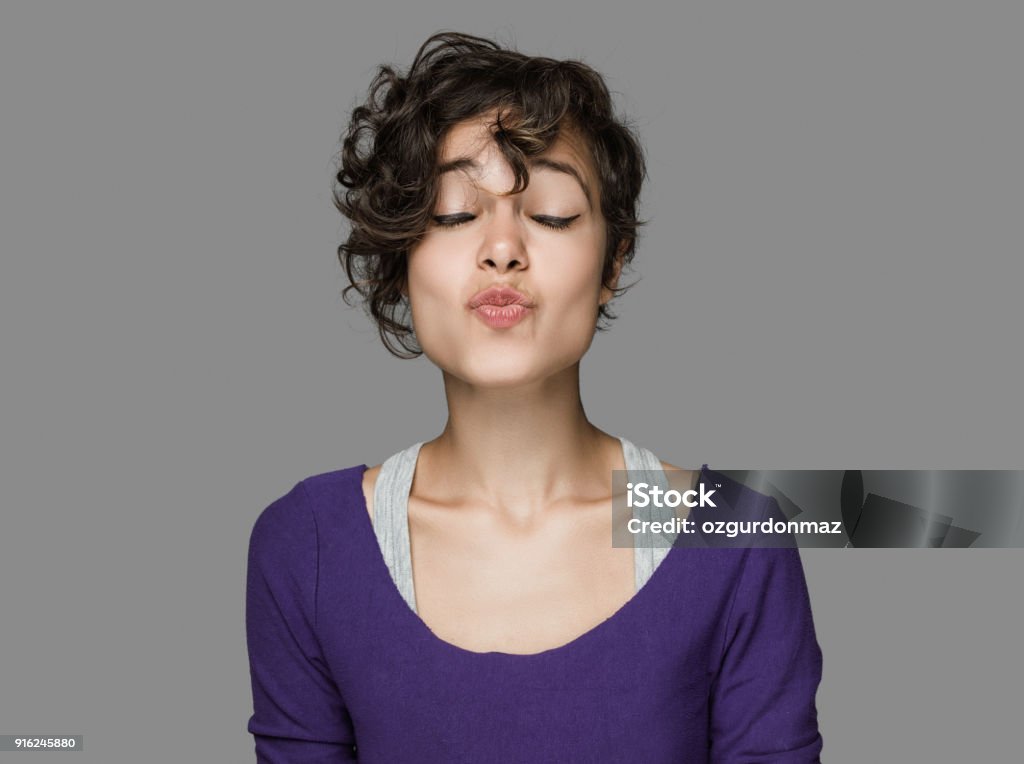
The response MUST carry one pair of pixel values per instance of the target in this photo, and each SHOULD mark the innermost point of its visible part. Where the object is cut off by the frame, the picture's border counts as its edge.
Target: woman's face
(547, 243)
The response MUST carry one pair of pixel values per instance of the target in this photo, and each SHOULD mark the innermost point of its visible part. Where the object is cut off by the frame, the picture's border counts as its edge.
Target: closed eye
(548, 221)
(553, 222)
(450, 221)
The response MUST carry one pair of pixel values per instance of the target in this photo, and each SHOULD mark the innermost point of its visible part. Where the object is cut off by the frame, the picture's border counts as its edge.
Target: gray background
(834, 248)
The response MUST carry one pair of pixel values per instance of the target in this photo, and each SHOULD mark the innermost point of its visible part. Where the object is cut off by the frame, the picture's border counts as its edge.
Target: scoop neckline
(426, 632)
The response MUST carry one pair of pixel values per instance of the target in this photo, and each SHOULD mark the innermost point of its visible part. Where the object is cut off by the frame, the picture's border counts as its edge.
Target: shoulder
(290, 524)
(337, 489)
(734, 501)
(680, 479)
(282, 555)
(281, 522)
(741, 501)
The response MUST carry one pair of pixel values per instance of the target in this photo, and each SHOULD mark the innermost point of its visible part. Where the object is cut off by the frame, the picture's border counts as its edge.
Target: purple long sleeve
(762, 701)
(713, 660)
(299, 715)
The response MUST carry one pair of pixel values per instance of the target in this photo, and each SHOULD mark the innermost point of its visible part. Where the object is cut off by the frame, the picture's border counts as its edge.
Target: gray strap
(391, 515)
(391, 518)
(649, 549)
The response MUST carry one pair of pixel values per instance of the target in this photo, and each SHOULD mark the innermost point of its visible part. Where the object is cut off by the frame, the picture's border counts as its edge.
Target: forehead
(473, 139)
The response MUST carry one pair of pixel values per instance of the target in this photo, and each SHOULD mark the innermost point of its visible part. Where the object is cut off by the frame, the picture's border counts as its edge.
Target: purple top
(714, 659)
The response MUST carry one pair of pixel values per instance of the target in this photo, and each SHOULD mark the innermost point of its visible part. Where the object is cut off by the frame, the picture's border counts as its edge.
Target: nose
(503, 247)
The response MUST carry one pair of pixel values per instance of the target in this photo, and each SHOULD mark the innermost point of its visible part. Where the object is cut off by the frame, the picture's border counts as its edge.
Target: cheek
(431, 278)
(573, 281)
(434, 279)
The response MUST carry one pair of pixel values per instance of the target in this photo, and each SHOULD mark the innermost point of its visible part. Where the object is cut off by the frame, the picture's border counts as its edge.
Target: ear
(607, 294)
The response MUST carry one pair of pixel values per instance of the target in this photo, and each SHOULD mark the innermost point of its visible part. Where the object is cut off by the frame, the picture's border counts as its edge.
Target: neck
(520, 449)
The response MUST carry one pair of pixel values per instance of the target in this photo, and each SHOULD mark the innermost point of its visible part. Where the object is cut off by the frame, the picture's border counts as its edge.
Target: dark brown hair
(386, 184)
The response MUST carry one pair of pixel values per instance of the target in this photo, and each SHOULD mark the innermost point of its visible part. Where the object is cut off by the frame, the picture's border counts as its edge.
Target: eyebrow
(467, 163)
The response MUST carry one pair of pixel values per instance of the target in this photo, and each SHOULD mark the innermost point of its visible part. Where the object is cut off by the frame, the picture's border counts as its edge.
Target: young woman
(462, 601)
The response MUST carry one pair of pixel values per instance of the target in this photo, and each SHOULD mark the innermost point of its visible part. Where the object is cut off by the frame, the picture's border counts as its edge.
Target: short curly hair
(387, 179)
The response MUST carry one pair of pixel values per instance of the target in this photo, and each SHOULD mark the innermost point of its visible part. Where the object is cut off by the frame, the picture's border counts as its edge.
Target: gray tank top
(391, 514)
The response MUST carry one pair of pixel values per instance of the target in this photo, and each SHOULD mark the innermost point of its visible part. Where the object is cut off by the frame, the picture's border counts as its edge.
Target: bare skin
(485, 582)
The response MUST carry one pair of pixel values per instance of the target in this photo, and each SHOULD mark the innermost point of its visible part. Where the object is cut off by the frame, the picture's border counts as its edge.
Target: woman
(461, 601)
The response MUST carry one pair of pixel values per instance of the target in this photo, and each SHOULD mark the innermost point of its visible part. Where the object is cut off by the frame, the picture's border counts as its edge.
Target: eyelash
(453, 221)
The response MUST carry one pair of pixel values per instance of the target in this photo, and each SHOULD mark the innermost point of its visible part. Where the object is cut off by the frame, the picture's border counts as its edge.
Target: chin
(505, 369)
(504, 361)
(486, 366)
(494, 370)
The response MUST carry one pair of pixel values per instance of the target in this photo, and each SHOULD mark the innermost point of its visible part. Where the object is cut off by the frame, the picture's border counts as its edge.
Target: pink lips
(500, 307)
